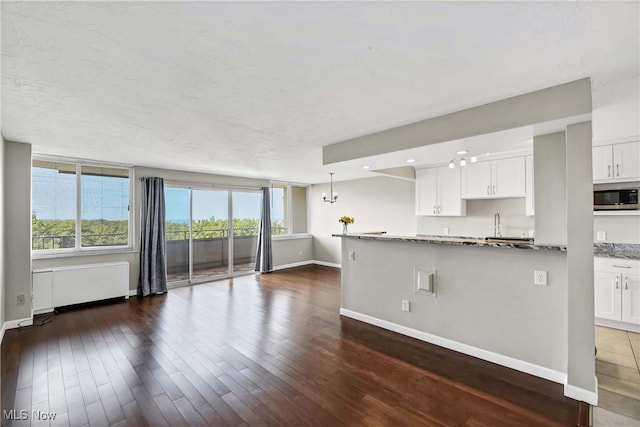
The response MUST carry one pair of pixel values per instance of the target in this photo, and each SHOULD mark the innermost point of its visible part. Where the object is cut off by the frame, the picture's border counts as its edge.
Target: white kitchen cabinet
(617, 291)
(631, 298)
(530, 201)
(502, 178)
(616, 162)
(438, 192)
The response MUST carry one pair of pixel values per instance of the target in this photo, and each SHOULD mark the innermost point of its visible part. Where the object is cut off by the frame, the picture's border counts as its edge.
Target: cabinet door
(449, 193)
(530, 202)
(626, 161)
(631, 298)
(607, 295)
(602, 163)
(508, 176)
(426, 196)
(476, 180)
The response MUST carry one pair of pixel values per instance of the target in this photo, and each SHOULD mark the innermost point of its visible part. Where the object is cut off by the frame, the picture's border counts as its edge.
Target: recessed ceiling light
(461, 152)
(366, 167)
(411, 160)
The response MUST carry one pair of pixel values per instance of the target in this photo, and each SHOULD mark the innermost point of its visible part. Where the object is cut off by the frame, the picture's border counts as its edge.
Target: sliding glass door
(246, 224)
(202, 242)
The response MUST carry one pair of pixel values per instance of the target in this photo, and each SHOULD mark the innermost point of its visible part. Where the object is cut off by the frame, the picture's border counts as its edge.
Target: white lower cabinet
(617, 290)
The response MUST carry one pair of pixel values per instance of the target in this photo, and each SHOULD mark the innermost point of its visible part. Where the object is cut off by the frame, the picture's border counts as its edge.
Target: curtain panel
(264, 256)
(153, 264)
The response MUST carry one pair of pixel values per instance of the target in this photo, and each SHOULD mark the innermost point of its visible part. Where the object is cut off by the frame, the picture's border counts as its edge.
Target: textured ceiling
(256, 89)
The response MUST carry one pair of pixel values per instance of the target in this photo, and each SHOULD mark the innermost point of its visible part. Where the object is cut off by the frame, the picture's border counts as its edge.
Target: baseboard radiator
(62, 286)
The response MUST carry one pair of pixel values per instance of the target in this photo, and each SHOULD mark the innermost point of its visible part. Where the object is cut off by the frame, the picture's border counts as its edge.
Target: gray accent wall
(378, 204)
(17, 230)
(558, 102)
(485, 297)
(550, 192)
(580, 304)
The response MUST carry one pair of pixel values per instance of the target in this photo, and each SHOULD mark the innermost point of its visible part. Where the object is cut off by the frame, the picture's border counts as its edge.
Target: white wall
(619, 229)
(2, 282)
(377, 204)
(479, 219)
(616, 109)
(17, 232)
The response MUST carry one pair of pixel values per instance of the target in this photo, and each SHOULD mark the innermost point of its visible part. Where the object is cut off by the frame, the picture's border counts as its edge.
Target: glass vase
(345, 228)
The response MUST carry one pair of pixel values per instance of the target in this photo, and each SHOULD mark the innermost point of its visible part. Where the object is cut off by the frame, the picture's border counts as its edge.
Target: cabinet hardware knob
(488, 190)
(618, 170)
(626, 283)
(609, 170)
(617, 287)
(494, 190)
(621, 266)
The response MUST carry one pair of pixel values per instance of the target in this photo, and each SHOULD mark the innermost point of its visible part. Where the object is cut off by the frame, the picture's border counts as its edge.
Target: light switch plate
(540, 278)
(445, 231)
(601, 236)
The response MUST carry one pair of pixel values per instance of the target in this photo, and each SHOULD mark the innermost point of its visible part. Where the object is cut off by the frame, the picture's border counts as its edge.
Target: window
(288, 209)
(79, 205)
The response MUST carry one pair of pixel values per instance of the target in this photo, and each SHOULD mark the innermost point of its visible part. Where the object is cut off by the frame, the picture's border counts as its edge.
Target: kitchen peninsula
(483, 303)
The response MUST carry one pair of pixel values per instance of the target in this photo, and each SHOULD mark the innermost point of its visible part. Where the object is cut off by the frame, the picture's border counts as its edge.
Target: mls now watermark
(23, 414)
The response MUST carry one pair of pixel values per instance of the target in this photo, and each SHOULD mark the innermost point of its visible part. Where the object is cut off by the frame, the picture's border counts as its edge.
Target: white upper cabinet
(495, 179)
(438, 192)
(616, 162)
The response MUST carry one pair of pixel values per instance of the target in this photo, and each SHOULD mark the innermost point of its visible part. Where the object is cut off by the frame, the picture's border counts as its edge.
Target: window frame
(289, 210)
(78, 249)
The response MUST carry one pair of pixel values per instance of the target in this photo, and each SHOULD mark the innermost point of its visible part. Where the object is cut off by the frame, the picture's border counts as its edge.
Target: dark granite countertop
(608, 250)
(455, 240)
(617, 250)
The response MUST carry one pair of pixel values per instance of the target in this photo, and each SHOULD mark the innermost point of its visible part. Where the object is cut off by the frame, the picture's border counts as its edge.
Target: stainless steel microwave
(613, 197)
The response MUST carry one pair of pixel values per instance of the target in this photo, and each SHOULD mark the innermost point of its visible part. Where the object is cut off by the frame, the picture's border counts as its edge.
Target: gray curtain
(264, 256)
(153, 265)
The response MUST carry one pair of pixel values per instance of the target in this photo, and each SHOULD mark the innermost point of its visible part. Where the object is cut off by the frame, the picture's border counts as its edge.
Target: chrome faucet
(496, 225)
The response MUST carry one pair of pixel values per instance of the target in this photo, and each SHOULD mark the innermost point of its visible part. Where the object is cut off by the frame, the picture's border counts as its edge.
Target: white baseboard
(43, 311)
(302, 263)
(500, 359)
(618, 325)
(133, 292)
(12, 324)
(292, 265)
(591, 397)
(327, 264)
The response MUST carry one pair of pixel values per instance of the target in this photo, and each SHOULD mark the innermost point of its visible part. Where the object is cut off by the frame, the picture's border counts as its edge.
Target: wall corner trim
(577, 393)
(500, 359)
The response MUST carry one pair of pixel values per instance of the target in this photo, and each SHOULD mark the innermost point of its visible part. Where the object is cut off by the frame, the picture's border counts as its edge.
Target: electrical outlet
(601, 236)
(20, 299)
(540, 278)
(406, 306)
(445, 231)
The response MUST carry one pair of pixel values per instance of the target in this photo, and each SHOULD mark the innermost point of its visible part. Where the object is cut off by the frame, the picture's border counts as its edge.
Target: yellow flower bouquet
(346, 220)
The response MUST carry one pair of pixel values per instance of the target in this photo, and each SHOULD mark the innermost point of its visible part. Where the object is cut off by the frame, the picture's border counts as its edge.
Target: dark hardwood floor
(257, 350)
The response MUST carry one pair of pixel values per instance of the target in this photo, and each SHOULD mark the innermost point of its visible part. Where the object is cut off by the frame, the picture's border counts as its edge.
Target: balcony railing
(119, 239)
